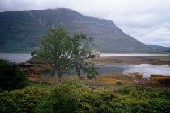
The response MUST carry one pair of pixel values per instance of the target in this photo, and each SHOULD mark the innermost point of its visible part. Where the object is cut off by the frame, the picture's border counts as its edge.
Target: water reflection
(145, 69)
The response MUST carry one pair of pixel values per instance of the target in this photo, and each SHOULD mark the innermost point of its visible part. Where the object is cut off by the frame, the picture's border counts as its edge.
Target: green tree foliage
(10, 76)
(81, 50)
(90, 70)
(65, 52)
(55, 49)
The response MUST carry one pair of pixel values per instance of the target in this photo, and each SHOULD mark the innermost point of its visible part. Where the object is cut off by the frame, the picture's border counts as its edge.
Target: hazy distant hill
(21, 30)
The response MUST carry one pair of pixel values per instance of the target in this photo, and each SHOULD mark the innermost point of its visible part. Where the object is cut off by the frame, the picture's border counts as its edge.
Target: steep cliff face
(21, 30)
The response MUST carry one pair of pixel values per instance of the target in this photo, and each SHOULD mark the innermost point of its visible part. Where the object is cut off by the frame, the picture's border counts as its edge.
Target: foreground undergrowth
(72, 96)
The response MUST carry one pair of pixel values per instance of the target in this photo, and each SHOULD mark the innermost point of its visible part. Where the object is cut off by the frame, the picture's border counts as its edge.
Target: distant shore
(154, 60)
(133, 54)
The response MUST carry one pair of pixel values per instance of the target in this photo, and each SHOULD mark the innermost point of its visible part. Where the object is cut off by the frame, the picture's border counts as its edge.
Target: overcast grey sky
(146, 20)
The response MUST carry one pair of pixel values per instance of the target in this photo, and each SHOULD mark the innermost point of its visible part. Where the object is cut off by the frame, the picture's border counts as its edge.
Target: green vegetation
(22, 101)
(64, 52)
(75, 97)
(55, 49)
(10, 76)
(144, 100)
(82, 46)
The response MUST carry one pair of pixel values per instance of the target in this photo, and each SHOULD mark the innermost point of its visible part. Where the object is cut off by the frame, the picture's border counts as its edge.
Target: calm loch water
(146, 69)
(18, 58)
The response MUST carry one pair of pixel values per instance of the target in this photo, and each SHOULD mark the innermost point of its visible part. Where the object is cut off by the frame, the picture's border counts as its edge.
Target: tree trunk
(78, 71)
(59, 79)
(59, 76)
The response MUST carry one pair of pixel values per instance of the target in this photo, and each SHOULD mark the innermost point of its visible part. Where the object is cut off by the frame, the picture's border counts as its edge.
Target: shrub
(134, 105)
(10, 76)
(63, 99)
(142, 100)
(74, 97)
(21, 101)
(98, 101)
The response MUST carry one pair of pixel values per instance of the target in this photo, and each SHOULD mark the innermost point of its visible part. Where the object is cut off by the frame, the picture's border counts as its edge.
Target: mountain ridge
(21, 30)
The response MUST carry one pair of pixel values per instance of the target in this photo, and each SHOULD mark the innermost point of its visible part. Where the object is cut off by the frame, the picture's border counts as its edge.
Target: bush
(134, 105)
(10, 76)
(74, 97)
(97, 101)
(21, 101)
(142, 100)
(65, 97)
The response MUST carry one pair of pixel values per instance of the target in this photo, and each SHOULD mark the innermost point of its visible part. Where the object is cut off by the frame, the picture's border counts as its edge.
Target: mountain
(20, 31)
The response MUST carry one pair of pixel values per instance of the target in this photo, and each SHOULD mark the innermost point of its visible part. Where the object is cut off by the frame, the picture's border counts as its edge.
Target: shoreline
(34, 69)
(153, 60)
(133, 54)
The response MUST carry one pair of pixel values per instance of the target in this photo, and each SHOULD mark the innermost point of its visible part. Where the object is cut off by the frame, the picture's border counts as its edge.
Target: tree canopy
(61, 50)
(55, 49)
(82, 49)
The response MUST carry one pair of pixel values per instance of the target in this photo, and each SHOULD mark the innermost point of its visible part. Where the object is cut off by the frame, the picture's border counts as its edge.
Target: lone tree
(55, 49)
(81, 50)
(65, 52)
